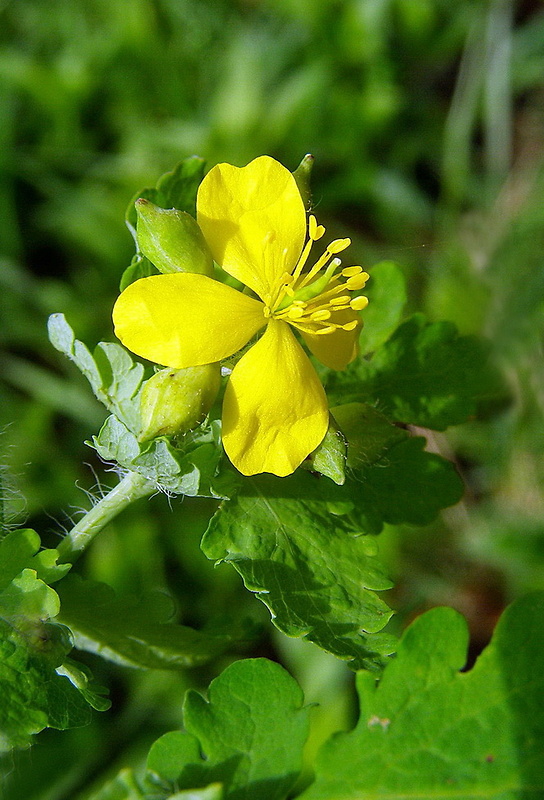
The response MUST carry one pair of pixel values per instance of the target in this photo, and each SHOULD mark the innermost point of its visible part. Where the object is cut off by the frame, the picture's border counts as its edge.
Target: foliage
(423, 727)
(425, 121)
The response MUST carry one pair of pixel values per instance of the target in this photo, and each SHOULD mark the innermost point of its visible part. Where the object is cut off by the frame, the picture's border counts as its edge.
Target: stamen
(358, 303)
(357, 281)
(349, 272)
(315, 231)
(321, 315)
(294, 312)
(328, 329)
(338, 245)
(340, 301)
(350, 326)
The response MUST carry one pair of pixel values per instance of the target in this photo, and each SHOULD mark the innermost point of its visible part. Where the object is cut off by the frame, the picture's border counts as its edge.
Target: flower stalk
(130, 488)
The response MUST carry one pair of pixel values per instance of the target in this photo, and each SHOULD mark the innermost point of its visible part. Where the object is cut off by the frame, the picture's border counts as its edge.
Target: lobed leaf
(318, 580)
(427, 730)
(425, 374)
(237, 737)
(114, 377)
(39, 687)
(193, 468)
(133, 631)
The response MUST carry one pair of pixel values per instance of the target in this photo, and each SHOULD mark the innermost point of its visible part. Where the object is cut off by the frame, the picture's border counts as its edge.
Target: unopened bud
(171, 239)
(175, 400)
(302, 176)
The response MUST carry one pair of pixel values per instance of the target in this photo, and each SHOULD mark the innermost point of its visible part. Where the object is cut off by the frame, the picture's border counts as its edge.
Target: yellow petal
(184, 319)
(337, 349)
(275, 409)
(253, 220)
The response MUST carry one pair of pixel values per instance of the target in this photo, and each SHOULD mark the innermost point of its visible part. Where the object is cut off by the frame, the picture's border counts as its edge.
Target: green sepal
(329, 458)
(171, 239)
(139, 267)
(302, 176)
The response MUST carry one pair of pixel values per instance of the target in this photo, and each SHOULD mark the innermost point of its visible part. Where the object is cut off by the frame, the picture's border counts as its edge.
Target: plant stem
(130, 488)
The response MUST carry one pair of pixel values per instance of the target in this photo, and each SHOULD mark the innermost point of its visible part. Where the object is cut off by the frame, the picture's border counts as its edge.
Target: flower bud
(302, 176)
(175, 400)
(171, 239)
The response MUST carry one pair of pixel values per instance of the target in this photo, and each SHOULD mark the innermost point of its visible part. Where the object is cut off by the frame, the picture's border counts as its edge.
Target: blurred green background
(426, 118)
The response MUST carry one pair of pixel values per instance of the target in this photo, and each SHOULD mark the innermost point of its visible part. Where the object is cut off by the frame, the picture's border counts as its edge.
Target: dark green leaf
(175, 189)
(425, 374)
(318, 580)
(133, 631)
(248, 736)
(428, 731)
(139, 267)
(39, 686)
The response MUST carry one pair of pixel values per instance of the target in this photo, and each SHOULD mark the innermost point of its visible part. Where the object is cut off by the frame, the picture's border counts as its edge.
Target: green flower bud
(171, 239)
(175, 400)
(302, 176)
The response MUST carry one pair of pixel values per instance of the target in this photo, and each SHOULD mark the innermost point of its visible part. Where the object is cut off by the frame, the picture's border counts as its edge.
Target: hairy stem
(130, 488)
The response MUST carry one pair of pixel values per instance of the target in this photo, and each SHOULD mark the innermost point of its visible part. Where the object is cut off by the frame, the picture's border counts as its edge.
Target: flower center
(311, 300)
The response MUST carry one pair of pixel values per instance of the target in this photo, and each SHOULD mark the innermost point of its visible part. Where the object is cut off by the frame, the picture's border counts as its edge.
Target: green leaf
(174, 189)
(139, 267)
(39, 686)
(394, 479)
(248, 736)
(428, 731)
(304, 563)
(123, 787)
(133, 631)
(192, 469)
(386, 292)
(114, 377)
(425, 374)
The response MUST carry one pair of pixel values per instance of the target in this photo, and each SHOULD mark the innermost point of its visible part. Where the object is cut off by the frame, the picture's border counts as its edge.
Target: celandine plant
(230, 296)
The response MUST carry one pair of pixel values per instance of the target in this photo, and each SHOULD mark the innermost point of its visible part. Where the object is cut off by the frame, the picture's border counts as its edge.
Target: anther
(358, 303)
(328, 329)
(357, 281)
(349, 272)
(340, 301)
(338, 245)
(350, 326)
(315, 231)
(321, 315)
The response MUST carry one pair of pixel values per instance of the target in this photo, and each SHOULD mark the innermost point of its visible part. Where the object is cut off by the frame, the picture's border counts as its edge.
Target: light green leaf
(192, 469)
(123, 787)
(386, 292)
(114, 377)
(37, 687)
(428, 731)
(248, 736)
(425, 374)
(133, 631)
(304, 563)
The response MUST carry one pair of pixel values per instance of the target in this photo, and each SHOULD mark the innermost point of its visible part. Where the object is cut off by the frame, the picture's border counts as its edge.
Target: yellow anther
(315, 231)
(295, 312)
(357, 281)
(340, 301)
(338, 245)
(349, 272)
(350, 326)
(358, 303)
(321, 315)
(328, 329)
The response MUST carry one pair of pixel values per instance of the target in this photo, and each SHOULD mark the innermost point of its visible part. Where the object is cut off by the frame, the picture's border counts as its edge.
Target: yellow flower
(275, 410)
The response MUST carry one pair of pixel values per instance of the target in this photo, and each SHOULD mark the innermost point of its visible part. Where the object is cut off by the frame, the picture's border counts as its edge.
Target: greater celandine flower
(275, 410)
